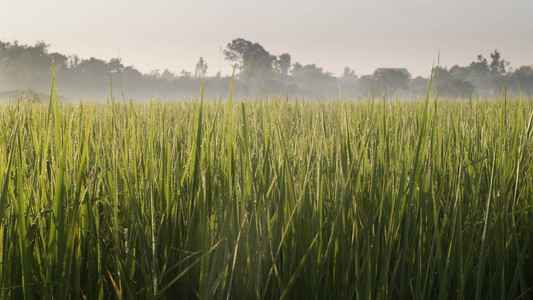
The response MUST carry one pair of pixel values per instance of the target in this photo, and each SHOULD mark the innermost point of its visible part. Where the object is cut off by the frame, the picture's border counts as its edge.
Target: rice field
(267, 198)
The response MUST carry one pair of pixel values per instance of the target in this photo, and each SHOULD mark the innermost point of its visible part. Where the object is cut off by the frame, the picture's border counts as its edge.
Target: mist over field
(257, 72)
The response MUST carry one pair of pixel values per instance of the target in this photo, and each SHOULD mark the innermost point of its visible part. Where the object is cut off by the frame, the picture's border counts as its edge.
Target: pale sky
(332, 34)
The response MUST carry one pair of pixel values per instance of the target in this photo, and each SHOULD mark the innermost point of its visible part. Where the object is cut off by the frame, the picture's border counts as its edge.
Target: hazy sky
(332, 34)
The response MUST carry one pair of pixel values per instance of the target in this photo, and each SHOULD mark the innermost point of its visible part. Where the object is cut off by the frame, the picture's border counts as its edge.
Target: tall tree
(498, 65)
(235, 52)
(115, 65)
(73, 61)
(252, 60)
(257, 62)
(479, 68)
(390, 79)
(284, 63)
(522, 79)
(201, 68)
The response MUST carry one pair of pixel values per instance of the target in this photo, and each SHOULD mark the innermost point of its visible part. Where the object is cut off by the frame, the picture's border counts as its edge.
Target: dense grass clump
(267, 199)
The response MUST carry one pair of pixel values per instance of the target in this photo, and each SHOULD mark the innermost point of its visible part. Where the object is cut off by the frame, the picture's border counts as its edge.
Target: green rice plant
(267, 198)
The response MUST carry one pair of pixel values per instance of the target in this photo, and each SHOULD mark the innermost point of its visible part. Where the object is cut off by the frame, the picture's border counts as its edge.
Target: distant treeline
(257, 72)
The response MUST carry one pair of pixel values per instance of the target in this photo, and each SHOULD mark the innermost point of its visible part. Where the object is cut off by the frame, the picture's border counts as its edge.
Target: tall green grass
(267, 199)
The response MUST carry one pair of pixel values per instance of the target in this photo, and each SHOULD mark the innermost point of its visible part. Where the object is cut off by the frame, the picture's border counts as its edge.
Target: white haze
(362, 35)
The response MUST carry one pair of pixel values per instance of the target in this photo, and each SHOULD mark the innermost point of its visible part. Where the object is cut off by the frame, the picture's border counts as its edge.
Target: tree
(132, 76)
(498, 65)
(73, 61)
(284, 63)
(201, 68)
(479, 68)
(252, 59)
(348, 84)
(418, 86)
(391, 79)
(348, 74)
(94, 66)
(462, 73)
(115, 65)
(448, 85)
(167, 75)
(296, 69)
(456, 88)
(154, 73)
(60, 62)
(235, 52)
(257, 62)
(522, 78)
(312, 79)
(185, 73)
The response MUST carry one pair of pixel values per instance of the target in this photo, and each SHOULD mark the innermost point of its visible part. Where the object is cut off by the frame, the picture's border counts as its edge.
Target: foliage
(235, 52)
(201, 68)
(253, 60)
(284, 64)
(393, 79)
(522, 79)
(418, 86)
(348, 74)
(387, 82)
(456, 88)
(452, 87)
(88, 78)
(258, 71)
(498, 65)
